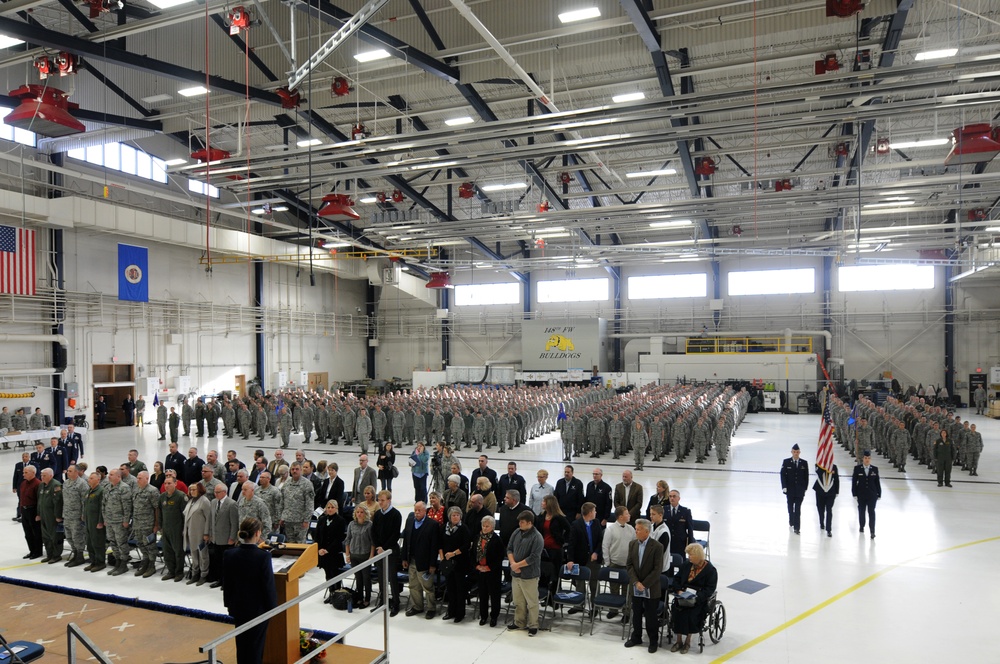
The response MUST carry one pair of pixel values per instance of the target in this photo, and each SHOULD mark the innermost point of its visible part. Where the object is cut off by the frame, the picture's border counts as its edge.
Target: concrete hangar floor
(923, 591)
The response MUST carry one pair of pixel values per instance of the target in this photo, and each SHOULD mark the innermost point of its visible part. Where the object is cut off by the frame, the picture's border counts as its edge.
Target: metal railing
(381, 610)
(732, 345)
(74, 633)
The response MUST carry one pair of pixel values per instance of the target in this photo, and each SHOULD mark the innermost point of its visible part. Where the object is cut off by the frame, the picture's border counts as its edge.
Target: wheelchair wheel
(717, 622)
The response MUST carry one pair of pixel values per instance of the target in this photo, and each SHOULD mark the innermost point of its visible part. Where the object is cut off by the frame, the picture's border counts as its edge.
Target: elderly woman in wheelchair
(696, 582)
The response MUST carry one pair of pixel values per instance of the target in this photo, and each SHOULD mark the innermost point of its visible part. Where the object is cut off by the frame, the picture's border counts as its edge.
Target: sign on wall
(569, 344)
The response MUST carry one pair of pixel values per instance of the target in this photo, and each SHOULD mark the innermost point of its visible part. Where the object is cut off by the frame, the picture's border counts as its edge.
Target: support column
(716, 291)
(59, 354)
(258, 302)
(949, 331)
(445, 303)
(370, 311)
(616, 344)
(827, 304)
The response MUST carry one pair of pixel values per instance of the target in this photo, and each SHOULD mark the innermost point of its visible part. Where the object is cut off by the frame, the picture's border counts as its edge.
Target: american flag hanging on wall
(17, 261)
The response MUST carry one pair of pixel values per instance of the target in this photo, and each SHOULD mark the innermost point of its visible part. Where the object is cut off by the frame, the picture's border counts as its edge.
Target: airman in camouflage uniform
(350, 426)
(145, 523)
(379, 421)
(243, 417)
(398, 423)
(596, 434)
(249, 505)
(286, 427)
(297, 496)
(640, 440)
(616, 431)
(306, 419)
(117, 506)
(272, 498)
(74, 492)
(228, 419)
(161, 421)
(187, 414)
(657, 434)
(567, 434)
(458, 430)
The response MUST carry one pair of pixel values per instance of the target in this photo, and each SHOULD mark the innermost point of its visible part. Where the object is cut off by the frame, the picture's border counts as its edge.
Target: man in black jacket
(794, 482)
(586, 537)
(599, 492)
(569, 493)
(192, 467)
(866, 487)
(508, 514)
(175, 461)
(511, 481)
(386, 525)
(421, 543)
(484, 470)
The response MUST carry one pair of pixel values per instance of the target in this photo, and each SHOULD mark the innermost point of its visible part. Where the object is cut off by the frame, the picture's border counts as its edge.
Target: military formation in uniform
(901, 430)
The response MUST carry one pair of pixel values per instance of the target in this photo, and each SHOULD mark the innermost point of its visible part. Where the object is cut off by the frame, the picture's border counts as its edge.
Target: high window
(124, 159)
(853, 278)
(573, 290)
(773, 282)
(663, 286)
(482, 294)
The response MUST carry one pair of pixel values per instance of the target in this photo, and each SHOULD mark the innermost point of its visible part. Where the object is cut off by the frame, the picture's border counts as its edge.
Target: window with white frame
(663, 286)
(773, 282)
(573, 290)
(484, 294)
(8, 133)
(853, 278)
(124, 159)
(203, 188)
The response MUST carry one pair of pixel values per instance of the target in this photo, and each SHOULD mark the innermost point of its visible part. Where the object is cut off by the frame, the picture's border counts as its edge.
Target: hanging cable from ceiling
(208, 149)
(756, 133)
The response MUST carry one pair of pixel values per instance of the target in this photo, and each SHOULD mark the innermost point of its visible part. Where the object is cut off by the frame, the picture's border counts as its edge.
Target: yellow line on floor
(4, 569)
(822, 605)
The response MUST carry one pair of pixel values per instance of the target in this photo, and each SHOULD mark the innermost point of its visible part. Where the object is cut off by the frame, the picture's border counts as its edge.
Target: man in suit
(74, 441)
(259, 466)
(794, 481)
(386, 525)
(600, 492)
(826, 486)
(249, 590)
(484, 470)
(645, 561)
(364, 475)
(18, 478)
(586, 539)
(279, 460)
(421, 543)
(678, 519)
(569, 493)
(511, 481)
(225, 525)
(332, 488)
(629, 494)
(867, 489)
(236, 488)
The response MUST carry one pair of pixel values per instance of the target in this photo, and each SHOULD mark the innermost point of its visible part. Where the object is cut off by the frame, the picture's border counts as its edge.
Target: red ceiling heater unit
(44, 110)
(338, 207)
(973, 144)
(439, 280)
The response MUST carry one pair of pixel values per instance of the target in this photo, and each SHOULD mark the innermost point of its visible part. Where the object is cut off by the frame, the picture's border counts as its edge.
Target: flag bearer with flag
(827, 484)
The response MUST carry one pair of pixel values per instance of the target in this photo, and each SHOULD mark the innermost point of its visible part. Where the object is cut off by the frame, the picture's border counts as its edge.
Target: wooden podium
(282, 644)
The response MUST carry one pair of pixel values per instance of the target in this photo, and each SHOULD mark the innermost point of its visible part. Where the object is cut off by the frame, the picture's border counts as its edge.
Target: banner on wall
(133, 273)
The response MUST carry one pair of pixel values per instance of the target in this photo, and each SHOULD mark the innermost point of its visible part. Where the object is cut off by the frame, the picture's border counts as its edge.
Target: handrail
(382, 609)
(73, 630)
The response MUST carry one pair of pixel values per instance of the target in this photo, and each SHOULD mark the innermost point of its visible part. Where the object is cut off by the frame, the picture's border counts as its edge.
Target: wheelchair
(714, 623)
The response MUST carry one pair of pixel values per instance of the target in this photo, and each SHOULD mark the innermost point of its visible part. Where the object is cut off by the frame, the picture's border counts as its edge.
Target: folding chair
(702, 527)
(570, 596)
(605, 599)
(19, 652)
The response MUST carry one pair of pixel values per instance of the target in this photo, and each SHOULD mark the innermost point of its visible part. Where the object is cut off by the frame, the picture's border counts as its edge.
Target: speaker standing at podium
(248, 590)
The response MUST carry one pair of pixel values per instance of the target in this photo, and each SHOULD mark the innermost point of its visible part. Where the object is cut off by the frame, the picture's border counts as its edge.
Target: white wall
(203, 310)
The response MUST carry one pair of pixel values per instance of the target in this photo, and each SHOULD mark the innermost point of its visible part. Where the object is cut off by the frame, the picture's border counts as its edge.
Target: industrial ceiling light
(579, 15)
(259, 210)
(167, 4)
(597, 139)
(925, 143)
(674, 223)
(648, 174)
(900, 203)
(368, 199)
(369, 56)
(308, 142)
(7, 42)
(458, 122)
(335, 245)
(936, 55)
(629, 96)
(193, 92)
(504, 187)
(175, 162)
(280, 208)
(438, 164)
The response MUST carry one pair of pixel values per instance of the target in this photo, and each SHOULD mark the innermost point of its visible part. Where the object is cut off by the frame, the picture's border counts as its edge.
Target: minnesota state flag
(133, 277)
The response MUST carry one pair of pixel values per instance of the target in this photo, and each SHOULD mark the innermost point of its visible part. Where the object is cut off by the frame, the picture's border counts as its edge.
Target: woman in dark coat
(329, 537)
(700, 576)
(554, 527)
(455, 543)
(248, 590)
(386, 462)
(487, 555)
(157, 476)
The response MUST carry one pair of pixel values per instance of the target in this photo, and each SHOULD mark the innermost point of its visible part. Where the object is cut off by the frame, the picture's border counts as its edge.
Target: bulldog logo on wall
(560, 344)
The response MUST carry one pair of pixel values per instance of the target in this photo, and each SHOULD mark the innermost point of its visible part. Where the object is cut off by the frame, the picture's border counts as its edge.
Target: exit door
(976, 380)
